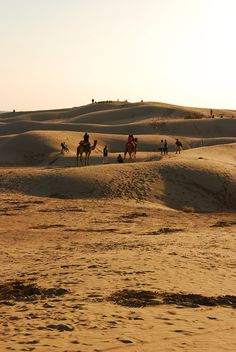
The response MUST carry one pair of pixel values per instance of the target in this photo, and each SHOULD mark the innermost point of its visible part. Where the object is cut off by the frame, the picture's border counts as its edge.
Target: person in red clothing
(131, 139)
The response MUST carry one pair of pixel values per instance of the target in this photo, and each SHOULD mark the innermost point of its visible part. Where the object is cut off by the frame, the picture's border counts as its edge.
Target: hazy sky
(63, 53)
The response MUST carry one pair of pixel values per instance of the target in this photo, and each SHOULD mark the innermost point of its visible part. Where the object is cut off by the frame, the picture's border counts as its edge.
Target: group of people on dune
(164, 147)
(132, 142)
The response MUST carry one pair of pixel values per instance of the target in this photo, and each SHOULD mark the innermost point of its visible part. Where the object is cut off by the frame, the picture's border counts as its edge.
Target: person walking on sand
(165, 147)
(64, 148)
(178, 146)
(105, 155)
(161, 147)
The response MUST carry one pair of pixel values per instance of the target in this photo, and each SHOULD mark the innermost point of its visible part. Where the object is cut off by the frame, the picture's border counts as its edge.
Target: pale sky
(63, 53)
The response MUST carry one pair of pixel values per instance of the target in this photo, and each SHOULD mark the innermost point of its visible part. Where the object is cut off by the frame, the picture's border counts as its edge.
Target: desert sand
(138, 256)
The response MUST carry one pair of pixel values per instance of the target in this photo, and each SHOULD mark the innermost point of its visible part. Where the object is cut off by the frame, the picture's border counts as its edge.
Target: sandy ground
(73, 239)
(95, 248)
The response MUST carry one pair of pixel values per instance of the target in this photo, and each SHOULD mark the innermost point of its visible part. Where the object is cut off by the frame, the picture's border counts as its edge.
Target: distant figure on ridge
(161, 147)
(178, 146)
(165, 147)
(105, 154)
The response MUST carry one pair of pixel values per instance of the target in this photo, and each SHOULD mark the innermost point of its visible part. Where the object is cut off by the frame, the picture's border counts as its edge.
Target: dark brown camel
(85, 149)
(131, 149)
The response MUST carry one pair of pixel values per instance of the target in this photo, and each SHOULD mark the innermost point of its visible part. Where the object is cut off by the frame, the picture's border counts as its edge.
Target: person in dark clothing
(120, 159)
(165, 147)
(86, 138)
(178, 146)
(161, 147)
(105, 154)
(64, 147)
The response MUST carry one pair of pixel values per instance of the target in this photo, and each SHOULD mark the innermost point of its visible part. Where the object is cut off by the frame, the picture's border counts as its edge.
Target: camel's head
(94, 144)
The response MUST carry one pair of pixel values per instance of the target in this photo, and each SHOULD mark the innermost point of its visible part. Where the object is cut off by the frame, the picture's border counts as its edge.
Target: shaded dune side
(197, 185)
(29, 148)
(35, 147)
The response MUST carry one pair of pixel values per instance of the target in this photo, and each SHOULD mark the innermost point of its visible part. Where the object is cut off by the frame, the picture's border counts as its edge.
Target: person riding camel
(86, 138)
(85, 141)
(131, 139)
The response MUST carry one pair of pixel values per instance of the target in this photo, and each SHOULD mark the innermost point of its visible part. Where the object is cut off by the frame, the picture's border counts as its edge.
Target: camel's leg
(81, 160)
(88, 157)
(125, 155)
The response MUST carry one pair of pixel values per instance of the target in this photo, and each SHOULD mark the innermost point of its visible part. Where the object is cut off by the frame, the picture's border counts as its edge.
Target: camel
(131, 149)
(85, 148)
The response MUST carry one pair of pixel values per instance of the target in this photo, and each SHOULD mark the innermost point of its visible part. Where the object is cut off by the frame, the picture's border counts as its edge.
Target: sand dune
(137, 256)
(202, 179)
(25, 142)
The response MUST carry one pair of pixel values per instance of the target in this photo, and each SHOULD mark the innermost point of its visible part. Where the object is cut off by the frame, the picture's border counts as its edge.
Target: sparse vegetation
(188, 209)
(19, 290)
(141, 298)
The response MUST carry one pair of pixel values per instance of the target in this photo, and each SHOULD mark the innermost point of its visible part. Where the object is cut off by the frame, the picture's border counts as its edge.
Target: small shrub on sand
(188, 209)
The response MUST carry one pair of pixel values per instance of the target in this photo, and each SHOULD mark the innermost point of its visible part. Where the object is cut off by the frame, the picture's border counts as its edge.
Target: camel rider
(85, 141)
(86, 138)
(131, 140)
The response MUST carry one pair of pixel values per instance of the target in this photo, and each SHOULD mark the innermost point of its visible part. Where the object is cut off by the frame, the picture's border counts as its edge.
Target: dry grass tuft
(136, 298)
(20, 291)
